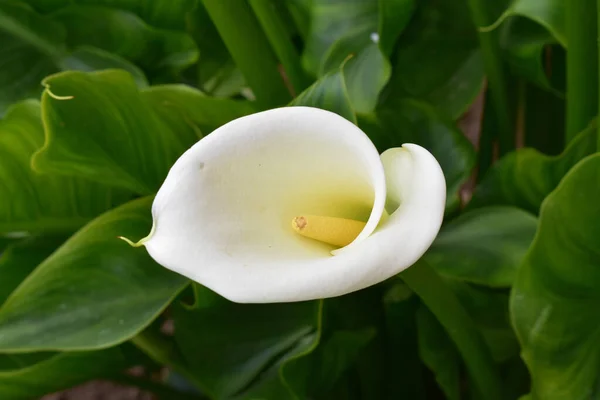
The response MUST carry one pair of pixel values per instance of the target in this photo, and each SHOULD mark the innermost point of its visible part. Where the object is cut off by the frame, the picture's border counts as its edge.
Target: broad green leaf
(439, 353)
(135, 136)
(88, 59)
(329, 93)
(484, 246)
(394, 16)
(182, 105)
(38, 43)
(365, 73)
(60, 371)
(95, 291)
(525, 177)
(34, 202)
(228, 346)
(21, 258)
(549, 13)
(555, 298)
(167, 14)
(332, 20)
(437, 58)
(363, 49)
(20, 21)
(408, 121)
(124, 34)
(28, 40)
(532, 25)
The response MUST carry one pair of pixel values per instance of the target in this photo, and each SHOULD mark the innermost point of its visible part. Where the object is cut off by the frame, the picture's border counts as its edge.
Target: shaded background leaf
(437, 59)
(525, 177)
(484, 246)
(229, 346)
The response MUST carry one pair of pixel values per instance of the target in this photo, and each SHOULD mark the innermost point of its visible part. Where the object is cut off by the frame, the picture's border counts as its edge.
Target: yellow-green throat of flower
(331, 230)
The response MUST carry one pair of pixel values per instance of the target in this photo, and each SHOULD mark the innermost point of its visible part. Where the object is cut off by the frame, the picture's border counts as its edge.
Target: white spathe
(223, 215)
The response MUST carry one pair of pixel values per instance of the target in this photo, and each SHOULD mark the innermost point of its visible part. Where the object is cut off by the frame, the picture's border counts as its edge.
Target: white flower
(235, 209)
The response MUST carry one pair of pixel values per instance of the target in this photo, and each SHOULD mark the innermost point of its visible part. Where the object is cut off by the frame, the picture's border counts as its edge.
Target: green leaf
(192, 110)
(417, 69)
(61, 371)
(160, 13)
(525, 177)
(484, 246)
(550, 14)
(38, 42)
(228, 345)
(365, 73)
(439, 353)
(135, 136)
(88, 59)
(20, 21)
(555, 299)
(394, 16)
(21, 258)
(362, 48)
(95, 291)
(409, 121)
(532, 26)
(36, 203)
(332, 20)
(126, 35)
(27, 40)
(329, 93)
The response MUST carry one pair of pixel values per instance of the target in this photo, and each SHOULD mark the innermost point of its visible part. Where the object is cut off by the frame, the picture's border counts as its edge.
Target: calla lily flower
(295, 204)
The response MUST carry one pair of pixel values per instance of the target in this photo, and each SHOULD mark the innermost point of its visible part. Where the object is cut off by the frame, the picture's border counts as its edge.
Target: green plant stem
(443, 303)
(164, 352)
(582, 66)
(496, 75)
(250, 50)
(279, 38)
(598, 64)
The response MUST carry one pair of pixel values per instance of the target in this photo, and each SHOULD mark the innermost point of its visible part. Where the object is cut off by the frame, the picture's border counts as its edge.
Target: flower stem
(496, 74)
(164, 352)
(279, 38)
(443, 303)
(250, 50)
(582, 66)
